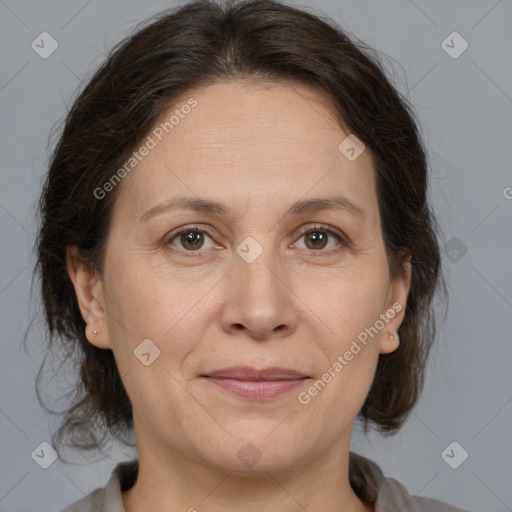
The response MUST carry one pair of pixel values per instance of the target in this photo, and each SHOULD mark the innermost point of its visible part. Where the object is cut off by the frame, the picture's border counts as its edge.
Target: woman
(236, 239)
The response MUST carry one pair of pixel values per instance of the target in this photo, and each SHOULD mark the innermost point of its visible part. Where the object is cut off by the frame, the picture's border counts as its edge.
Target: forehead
(244, 141)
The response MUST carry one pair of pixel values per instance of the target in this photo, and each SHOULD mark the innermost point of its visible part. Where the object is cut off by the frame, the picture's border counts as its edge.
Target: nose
(259, 300)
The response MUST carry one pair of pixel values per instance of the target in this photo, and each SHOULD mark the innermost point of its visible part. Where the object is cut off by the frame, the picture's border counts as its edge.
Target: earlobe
(89, 294)
(390, 343)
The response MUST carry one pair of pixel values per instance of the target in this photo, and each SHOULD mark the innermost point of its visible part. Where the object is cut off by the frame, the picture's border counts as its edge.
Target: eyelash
(344, 241)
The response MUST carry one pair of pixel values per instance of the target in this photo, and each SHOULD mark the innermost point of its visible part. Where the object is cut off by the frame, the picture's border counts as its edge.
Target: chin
(249, 453)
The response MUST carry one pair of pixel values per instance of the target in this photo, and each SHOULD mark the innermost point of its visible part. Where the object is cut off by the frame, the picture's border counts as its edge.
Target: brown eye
(191, 240)
(316, 239)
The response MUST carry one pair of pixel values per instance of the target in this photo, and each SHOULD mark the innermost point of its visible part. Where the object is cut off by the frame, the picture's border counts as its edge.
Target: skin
(258, 149)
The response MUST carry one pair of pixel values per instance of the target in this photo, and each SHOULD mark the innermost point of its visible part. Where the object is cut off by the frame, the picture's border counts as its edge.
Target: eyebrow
(216, 208)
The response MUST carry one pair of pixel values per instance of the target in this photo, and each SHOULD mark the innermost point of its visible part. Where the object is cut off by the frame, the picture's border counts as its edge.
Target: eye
(318, 237)
(191, 238)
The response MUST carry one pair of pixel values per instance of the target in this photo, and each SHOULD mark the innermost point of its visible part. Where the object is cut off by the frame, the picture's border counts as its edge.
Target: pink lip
(251, 383)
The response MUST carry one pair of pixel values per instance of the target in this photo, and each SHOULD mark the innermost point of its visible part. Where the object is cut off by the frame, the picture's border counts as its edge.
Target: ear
(395, 309)
(89, 293)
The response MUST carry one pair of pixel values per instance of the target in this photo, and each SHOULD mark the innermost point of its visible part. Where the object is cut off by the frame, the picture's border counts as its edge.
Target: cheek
(349, 346)
(348, 303)
(351, 307)
(143, 308)
(168, 310)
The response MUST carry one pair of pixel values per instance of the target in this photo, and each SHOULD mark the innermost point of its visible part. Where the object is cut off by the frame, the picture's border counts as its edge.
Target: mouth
(250, 383)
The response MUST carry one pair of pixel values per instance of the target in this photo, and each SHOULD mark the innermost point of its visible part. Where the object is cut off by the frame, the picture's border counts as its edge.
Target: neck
(169, 481)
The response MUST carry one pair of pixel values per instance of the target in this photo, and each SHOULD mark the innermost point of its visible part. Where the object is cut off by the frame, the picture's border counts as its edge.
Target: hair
(196, 45)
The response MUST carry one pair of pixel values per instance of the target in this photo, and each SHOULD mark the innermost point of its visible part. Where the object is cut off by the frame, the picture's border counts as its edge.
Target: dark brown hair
(193, 46)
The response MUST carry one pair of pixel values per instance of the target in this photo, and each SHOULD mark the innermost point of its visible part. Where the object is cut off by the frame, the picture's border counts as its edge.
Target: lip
(249, 382)
(252, 374)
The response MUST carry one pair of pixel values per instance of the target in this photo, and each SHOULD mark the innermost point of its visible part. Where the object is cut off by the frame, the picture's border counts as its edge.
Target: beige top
(366, 479)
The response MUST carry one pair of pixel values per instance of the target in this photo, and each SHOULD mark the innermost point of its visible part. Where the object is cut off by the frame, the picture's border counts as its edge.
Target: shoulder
(388, 494)
(394, 496)
(93, 502)
(108, 498)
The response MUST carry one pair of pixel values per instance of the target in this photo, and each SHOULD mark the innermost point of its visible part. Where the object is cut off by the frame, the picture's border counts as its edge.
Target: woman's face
(246, 286)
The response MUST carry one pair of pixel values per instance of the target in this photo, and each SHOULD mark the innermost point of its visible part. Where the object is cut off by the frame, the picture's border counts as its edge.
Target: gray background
(465, 110)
